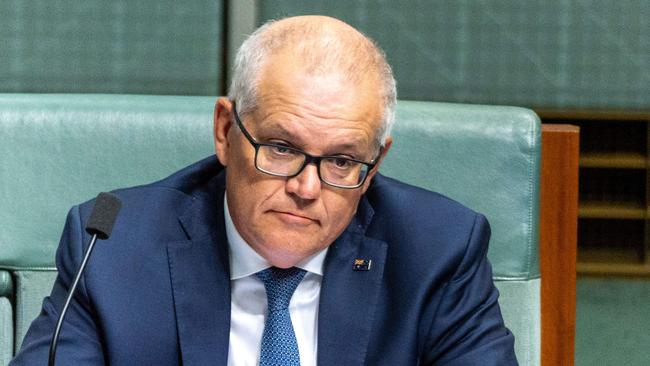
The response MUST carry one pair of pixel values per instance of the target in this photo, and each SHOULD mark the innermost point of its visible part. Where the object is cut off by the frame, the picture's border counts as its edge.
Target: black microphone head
(103, 216)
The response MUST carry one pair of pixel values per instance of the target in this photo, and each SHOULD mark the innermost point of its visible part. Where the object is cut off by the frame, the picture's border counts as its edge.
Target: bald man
(287, 247)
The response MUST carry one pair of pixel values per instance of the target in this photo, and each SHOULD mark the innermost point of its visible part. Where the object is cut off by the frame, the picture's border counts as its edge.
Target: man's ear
(223, 116)
(387, 144)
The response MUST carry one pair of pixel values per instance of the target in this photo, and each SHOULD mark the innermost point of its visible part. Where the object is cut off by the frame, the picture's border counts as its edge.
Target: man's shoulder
(150, 214)
(389, 196)
(187, 184)
(422, 227)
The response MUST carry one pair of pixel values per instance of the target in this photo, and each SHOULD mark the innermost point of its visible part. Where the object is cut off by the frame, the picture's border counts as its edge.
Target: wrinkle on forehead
(317, 136)
(286, 85)
(319, 109)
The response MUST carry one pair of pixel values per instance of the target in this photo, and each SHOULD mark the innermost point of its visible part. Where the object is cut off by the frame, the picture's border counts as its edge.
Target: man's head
(313, 84)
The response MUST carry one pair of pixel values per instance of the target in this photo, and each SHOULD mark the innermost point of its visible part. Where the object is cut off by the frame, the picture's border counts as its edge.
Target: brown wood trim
(585, 114)
(608, 210)
(558, 242)
(616, 160)
(645, 253)
(634, 270)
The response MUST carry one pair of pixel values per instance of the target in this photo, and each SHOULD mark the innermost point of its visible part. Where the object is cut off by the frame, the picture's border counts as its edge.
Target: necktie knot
(280, 285)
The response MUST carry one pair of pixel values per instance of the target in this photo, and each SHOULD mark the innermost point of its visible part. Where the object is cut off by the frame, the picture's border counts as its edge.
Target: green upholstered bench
(59, 150)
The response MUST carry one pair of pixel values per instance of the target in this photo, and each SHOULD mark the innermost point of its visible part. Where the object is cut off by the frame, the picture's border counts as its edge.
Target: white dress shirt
(249, 304)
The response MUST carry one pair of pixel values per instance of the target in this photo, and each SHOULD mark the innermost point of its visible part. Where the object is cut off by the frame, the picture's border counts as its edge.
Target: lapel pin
(362, 264)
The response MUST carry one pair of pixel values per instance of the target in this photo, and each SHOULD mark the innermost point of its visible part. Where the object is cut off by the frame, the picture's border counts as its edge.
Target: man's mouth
(294, 218)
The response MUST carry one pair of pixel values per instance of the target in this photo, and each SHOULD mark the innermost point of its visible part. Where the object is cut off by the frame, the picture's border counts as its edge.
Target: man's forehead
(285, 80)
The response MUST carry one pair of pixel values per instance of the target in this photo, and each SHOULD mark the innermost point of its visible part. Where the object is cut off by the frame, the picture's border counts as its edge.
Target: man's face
(288, 219)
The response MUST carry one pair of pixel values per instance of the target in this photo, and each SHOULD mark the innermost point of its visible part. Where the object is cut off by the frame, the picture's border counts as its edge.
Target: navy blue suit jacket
(158, 291)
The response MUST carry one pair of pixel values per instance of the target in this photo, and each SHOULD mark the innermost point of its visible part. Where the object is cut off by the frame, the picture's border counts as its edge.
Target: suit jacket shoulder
(421, 227)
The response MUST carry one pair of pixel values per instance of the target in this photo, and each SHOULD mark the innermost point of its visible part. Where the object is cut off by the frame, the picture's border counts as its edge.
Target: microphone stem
(55, 337)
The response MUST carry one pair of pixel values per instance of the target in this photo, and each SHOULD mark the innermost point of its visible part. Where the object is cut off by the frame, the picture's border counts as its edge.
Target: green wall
(568, 54)
(551, 53)
(116, 46)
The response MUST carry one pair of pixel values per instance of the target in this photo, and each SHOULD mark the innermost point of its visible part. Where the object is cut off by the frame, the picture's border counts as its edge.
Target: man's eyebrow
(277, 130)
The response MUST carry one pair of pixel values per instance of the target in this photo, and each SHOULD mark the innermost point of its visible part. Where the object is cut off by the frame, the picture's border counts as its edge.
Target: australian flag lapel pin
(362, 264)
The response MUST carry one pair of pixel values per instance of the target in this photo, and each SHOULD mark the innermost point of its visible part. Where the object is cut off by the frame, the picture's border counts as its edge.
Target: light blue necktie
(279, 345)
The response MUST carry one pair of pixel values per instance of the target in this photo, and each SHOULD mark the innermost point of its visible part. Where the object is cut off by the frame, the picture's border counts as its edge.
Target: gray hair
(356, 58)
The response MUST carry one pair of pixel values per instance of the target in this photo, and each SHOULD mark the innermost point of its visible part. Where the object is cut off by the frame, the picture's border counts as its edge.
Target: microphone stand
(55, 338)
(100, 224)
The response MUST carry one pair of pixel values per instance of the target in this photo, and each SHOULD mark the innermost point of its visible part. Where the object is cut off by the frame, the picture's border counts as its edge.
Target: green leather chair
(59, 150)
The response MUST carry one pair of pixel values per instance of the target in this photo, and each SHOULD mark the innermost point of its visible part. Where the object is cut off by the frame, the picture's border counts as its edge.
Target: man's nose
(307, 184)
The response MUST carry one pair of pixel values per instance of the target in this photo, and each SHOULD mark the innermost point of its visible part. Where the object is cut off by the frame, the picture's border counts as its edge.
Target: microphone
(100, 224)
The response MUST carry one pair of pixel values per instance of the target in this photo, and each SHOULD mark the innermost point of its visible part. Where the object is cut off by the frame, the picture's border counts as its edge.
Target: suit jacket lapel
(348, 298)
(200, 280)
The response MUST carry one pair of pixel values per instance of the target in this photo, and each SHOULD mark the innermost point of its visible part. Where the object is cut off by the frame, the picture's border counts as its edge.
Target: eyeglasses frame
(308, 157)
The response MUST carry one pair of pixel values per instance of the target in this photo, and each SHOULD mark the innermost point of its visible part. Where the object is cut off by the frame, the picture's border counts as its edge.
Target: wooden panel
(610, 268)
(606, 210)
(558, 241)
(591, 114)
(634, 160)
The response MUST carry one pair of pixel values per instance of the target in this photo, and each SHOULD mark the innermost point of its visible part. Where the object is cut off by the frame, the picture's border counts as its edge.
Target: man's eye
(281, 150)
(342, 163)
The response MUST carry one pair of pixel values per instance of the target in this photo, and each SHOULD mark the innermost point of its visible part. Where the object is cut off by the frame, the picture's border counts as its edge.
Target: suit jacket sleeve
(79, 343)
(469, 329)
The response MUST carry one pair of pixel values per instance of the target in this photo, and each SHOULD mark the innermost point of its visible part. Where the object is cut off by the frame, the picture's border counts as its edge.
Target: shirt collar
(244, 261)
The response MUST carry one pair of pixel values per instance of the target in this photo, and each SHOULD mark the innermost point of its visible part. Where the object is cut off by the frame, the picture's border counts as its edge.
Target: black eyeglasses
(285, 161)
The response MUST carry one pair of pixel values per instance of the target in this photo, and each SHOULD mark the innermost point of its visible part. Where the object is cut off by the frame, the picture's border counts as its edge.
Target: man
(297, 252)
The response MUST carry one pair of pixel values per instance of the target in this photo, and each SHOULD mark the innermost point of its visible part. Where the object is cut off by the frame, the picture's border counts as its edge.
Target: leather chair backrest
(59, 150)
(488, 158)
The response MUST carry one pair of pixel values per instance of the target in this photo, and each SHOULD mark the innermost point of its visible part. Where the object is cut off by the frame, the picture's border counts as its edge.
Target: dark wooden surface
(558, 242)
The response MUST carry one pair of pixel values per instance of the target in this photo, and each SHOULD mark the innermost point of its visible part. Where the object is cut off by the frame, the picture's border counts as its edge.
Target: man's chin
(285, 257)
(286, 250)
